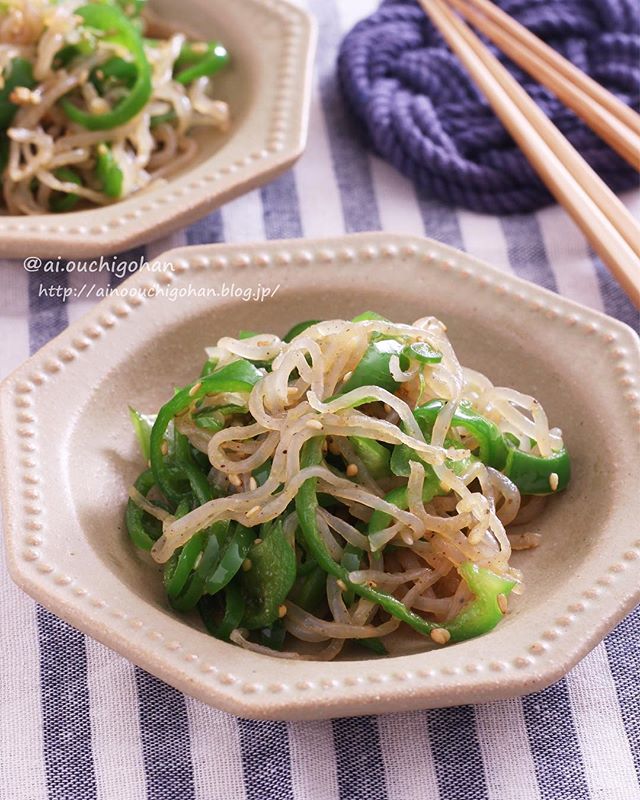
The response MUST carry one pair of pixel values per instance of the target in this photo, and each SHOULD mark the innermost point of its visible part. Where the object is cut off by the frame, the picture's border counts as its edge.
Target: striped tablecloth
(79, 722)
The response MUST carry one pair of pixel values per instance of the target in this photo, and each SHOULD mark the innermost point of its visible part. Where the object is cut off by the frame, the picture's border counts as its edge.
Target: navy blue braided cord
(421, 111)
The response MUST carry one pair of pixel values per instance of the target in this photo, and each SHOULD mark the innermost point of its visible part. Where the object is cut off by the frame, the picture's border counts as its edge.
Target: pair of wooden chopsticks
(612, 231)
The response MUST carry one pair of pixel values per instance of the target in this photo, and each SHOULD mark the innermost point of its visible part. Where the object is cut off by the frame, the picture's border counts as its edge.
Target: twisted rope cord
(421, 111)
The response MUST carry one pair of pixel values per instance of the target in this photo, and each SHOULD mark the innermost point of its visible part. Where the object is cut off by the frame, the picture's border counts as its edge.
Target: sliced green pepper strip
(301, 327)
(200, 486)
(142, 424)
(273, 636)
(270, 578)
(208, 560)
(368, 316)
(209, 419)
(181, 565)
(422, 352)
(476, 617)
(208, 367)
(374, 456)
(233, 554)
(119, 30)
(199, 60)
(532, 474)
(351, 557)
(482, 613)
(134, 516)
(234, 609)
(64, 56)
(239, 376)
(373, 369)
(374, 644)
(109, 174)
(61, 202)
(114, 71)
(311, 589)
(19, 73)
(492, 448)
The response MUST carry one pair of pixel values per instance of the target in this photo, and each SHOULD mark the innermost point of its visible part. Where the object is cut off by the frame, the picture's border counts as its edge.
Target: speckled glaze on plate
(65, 476)
(268, 86)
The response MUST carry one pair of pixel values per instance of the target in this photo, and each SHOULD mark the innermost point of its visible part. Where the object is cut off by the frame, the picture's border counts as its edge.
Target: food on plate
(348, 482)
(98, 101)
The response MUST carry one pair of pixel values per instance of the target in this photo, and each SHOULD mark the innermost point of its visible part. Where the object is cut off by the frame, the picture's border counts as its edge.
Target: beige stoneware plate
(268, 87)
(68, 455)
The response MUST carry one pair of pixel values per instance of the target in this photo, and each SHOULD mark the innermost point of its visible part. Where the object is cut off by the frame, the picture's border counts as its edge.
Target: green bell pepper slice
(530, 473)
(18, 73)
(422, 352)
(234, 610)
(109, 174)
(143, 536)
(234, 552)
(207, 563)
(239, 376)
(199, 60)
(491, 447)
(310, 590)
(270, 579)
(117, 29)
(61, 202)
(375, 456)
(373, 369)
(301, 327)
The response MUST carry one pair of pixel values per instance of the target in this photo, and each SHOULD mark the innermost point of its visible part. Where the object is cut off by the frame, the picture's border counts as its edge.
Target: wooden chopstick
(545, 147)
(611, 119)
(610, 205)
(560, 64)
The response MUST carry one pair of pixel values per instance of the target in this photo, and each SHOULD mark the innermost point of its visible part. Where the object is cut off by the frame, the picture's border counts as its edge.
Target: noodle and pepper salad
(347, 482)
(97, 102)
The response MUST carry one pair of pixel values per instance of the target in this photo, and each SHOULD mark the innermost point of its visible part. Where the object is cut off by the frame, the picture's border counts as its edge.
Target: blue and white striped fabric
(79, 722)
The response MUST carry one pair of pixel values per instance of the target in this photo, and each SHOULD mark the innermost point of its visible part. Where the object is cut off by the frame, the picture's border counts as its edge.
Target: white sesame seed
(194, 389)
(23, 96)
(440, 635)
(282, 611)
(314, 423)
(164, 448)
(253, 484)
(553, 481)
(257, 541)
(341, 585)
(253, 511)
(352, 470)
(234, 480)
(387, 408)
(503, 604)
(347, 377)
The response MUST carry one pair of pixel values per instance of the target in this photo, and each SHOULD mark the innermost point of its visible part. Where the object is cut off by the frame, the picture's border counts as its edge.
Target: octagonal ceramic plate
(65, 475)
(268, 87)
